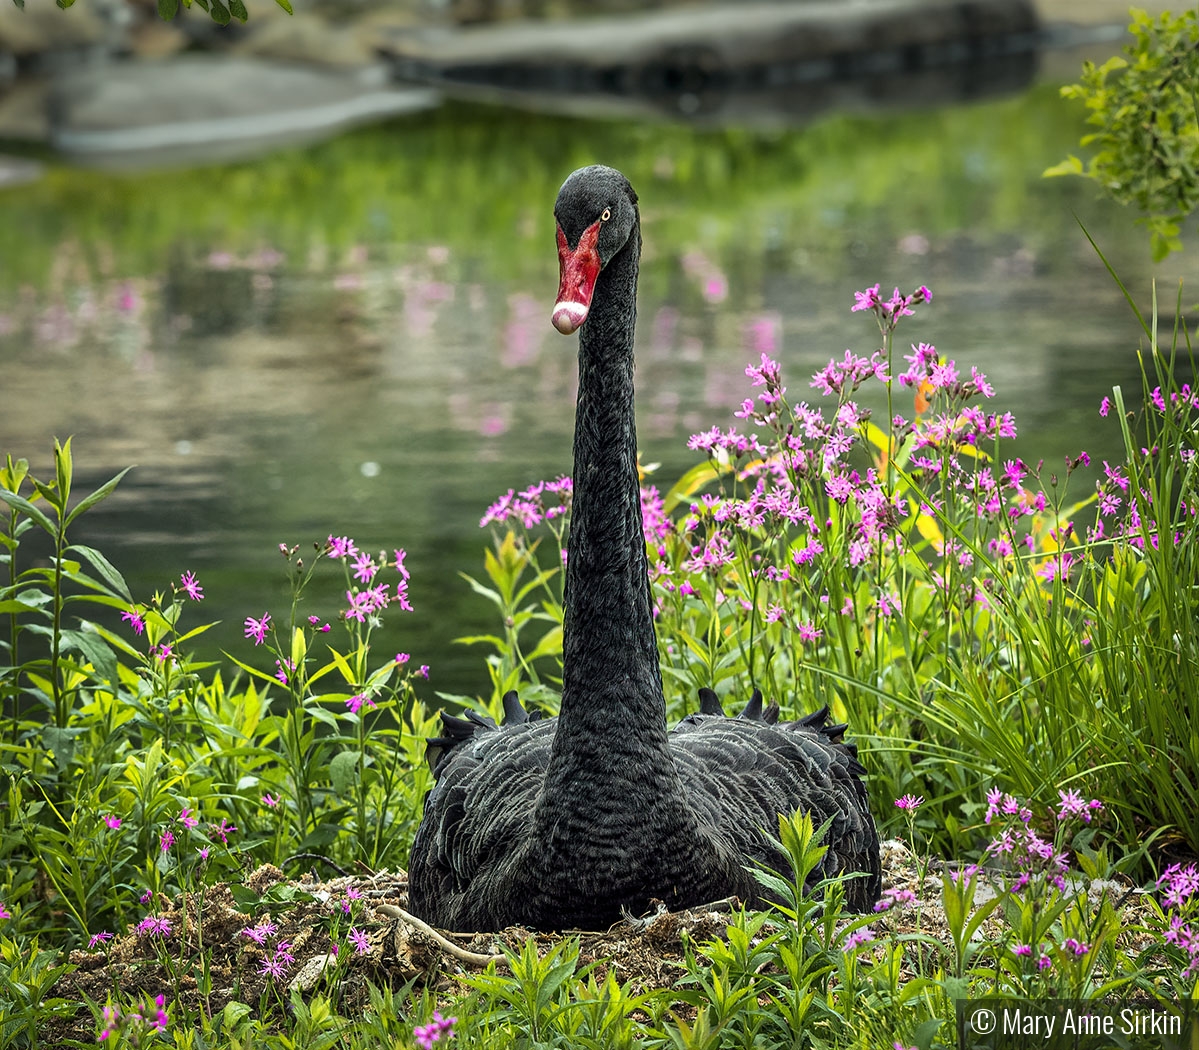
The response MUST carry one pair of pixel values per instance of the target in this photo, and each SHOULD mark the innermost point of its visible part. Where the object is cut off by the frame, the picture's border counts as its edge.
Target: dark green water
(355, 339)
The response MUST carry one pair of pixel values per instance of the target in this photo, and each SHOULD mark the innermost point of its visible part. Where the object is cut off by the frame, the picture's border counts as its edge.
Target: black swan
(566, 822)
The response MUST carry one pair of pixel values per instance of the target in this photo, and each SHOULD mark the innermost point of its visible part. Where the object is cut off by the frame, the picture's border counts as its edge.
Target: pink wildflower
(191, 586)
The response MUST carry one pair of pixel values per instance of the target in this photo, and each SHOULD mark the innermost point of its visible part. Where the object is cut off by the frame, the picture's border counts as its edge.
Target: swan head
(596, 213)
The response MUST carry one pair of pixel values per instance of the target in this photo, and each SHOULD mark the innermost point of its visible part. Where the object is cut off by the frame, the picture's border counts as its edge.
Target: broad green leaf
(238, 10)
(1070, 166)
(343, 771)
(91, 645)
(244, 666)
(550, 645)
(167, 9)
(20, 503)
(93, 498)
(286, 5)
(107, 571)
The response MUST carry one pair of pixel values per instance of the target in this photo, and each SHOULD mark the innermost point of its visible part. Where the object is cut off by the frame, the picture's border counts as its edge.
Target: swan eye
(607, 215)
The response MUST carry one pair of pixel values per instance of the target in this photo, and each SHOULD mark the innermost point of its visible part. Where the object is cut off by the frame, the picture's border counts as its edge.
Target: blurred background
(299, 270)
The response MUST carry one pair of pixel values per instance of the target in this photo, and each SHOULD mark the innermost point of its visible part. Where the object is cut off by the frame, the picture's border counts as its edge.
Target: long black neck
(610, 674)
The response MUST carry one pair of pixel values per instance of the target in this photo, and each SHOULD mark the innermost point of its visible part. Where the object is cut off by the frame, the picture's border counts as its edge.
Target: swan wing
(740, 774)
(477, 819)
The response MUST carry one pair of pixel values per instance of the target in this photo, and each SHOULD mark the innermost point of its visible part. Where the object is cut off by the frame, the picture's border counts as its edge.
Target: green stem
(60, 710)
(14, 628)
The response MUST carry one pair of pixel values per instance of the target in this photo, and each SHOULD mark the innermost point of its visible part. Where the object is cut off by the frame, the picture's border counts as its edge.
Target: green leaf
(106, 570)
(244, 666)
(91, 500)
(247, 900)
(64, 464)
(238, 10)
(23, 505)
(20, 4)
(1070, 166)
(286, 5)
(343, 771)
(92, 646)
(220, 13)
(168, 9)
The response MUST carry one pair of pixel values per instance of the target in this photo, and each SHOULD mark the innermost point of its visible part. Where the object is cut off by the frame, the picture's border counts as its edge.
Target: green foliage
(983, 640)
(112, 750)
(1144, 105)
(28, 974)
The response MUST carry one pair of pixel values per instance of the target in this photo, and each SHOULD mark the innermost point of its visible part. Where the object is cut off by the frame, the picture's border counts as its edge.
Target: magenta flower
(4, 912)
(365, 568)
(400, 555)
(1105, 406)
(112, 822)
(909, 802)
(257, 629)
(154, 926)
(427, 1035)
(360, 941)
(98, 939)
(895, 898)
(269, 800)
(112, 1017)
(261, 932)
(353, 893)
(866, 300)
(222, 831)
(402, 596)
(134, 618)
(1022, 949)
(191, 586)
(861, 936)
(356, 702)
(341, 547)
(276, 964)
(1073, 805)
(166, 840)
(423, 671)
(1181, 884)
(187, 820)
(808, 633)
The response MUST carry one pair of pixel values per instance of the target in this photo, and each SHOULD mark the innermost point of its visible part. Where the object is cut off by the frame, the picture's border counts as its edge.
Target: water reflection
(389, 384)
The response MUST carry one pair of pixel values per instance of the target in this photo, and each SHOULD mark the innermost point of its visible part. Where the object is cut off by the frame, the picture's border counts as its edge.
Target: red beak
(578, 271)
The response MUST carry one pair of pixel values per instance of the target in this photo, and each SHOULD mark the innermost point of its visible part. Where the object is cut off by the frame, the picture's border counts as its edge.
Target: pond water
(354, 338)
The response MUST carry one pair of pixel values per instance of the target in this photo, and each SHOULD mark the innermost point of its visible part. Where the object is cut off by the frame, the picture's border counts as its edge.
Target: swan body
(566, 822)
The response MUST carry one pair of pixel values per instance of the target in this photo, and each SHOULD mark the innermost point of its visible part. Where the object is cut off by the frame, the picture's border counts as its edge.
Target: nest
(648, 951)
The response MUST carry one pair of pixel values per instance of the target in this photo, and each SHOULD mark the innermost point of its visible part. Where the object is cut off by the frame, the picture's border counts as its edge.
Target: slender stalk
(60, 709)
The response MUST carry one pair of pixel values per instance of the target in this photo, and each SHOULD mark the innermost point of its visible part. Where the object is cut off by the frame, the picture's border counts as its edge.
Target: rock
(43, 27)
(23, 111)
(305, 37)
(197, 108)
(154, 38)
(736, 63)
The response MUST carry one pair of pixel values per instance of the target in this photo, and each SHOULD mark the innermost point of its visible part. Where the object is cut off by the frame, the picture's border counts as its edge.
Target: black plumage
(565, 822)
